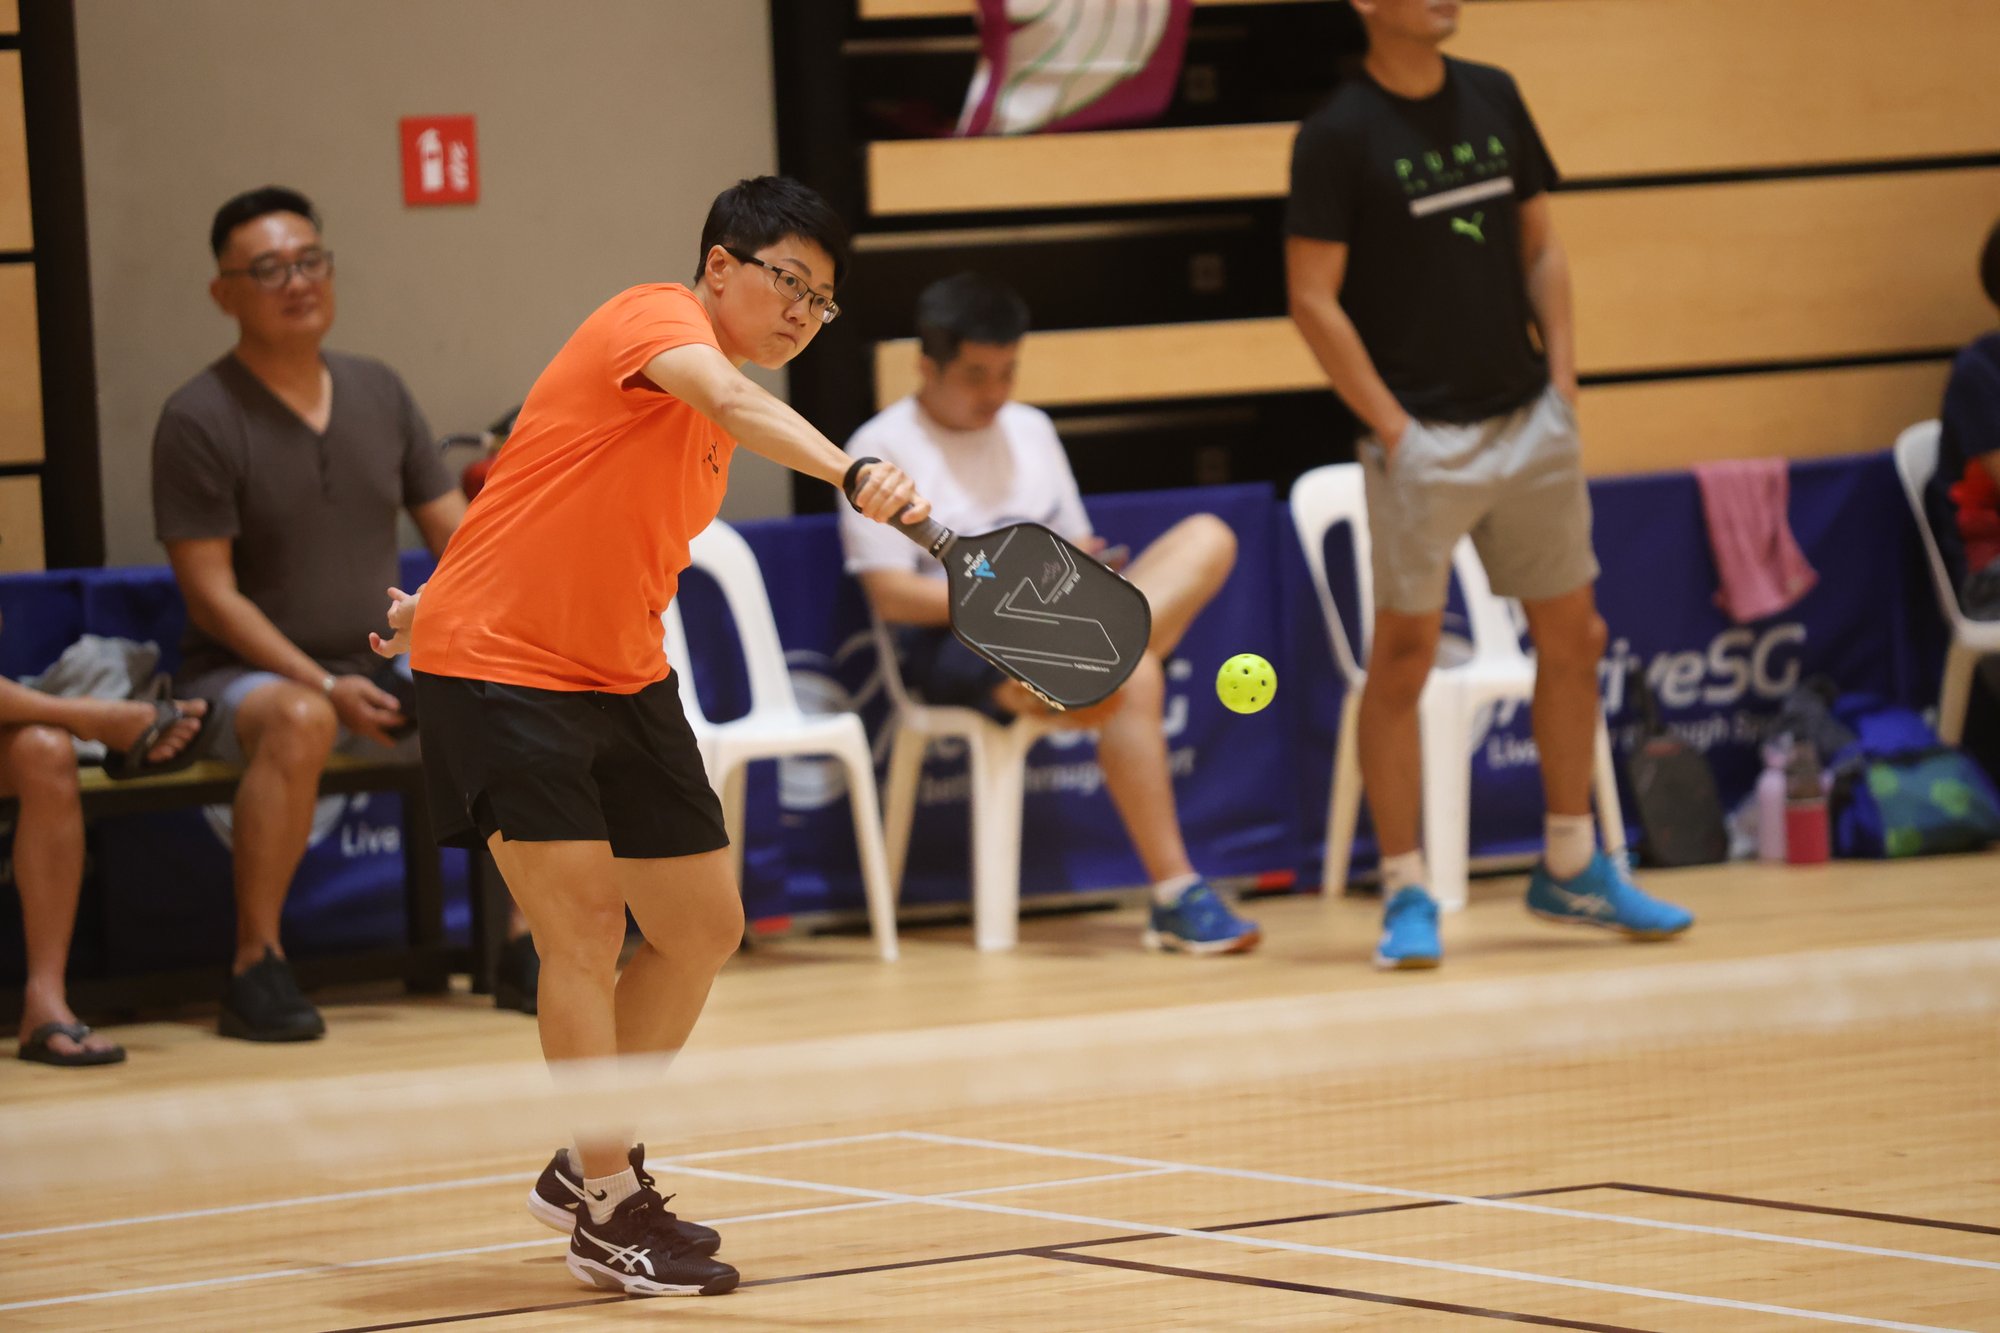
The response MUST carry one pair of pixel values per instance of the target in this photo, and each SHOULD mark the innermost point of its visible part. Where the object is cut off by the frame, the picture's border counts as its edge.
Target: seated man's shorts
(566, 766)
(226, 688)
(938, 669)
(1514, 482)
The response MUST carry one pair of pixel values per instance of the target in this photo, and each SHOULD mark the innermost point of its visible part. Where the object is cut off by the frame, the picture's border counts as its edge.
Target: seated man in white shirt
(985, 461)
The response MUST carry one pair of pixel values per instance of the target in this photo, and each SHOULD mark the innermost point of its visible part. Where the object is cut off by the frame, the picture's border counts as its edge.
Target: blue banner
(1252, 790)
(1235, 827)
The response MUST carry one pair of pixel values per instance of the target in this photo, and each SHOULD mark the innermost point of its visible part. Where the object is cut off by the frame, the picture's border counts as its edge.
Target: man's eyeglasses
(790, 286)
(271, 272)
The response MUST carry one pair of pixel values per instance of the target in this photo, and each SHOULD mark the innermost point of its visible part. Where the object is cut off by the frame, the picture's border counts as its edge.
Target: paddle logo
(976, 567)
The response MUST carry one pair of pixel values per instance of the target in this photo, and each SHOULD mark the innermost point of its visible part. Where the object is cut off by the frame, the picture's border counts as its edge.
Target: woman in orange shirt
(552, 725)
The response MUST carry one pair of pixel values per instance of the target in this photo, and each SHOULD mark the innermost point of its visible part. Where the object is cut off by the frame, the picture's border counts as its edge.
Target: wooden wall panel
(1664, 279)
(1090, 170)
(20, 524)
(1778, 270)
(1673, 424)
(944, 9)
(1648, 427)
(1630, 87)
(16, 233)
(20, 367)
(1619, 88)
(1077, 367)
(10, 16)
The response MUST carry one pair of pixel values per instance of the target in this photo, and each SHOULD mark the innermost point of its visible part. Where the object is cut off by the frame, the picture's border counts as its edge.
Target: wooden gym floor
(1753, 1176)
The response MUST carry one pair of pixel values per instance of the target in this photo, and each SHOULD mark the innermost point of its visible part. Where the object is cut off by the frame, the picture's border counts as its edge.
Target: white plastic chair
(775, 726)
(996, 762)
(1916, 463)
(1498, 669)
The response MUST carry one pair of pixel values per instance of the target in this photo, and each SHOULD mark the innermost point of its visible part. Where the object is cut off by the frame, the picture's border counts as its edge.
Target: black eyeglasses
(271, 272)
(790, 286)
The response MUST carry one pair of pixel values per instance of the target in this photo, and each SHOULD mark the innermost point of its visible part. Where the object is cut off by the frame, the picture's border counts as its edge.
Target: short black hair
(1989, 265)
(968, 308)
(253, 204)
(764, 210)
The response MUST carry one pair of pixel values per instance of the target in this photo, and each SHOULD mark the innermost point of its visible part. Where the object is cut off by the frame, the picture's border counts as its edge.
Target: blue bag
(1900, 791)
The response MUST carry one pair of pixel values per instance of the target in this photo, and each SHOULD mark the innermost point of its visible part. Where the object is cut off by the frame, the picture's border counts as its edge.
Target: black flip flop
(131, 763)
(37, 1049)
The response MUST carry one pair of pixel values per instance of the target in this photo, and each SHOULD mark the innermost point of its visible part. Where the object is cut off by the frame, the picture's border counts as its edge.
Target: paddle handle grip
(930, 534)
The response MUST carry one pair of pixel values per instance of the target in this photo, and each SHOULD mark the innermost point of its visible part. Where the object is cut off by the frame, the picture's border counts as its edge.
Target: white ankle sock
(1168, 891)
(1569, 841)
(607, 1192)
(1403, 872)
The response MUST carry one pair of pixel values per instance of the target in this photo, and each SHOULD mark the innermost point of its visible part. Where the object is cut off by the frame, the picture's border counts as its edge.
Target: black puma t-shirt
(1426, 194)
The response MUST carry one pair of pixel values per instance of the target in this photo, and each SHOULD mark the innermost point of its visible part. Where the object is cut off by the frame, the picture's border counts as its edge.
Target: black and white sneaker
(636, 1251)
(557, 1201)
(264, 1003)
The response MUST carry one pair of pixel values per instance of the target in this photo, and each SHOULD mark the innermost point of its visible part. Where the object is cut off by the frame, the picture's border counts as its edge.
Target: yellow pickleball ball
(1246, 683)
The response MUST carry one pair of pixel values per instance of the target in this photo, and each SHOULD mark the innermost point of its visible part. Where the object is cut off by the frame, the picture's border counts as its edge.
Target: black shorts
(566, 766)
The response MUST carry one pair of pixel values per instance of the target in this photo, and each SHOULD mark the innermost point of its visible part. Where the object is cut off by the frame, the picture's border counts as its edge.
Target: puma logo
(1472, 228)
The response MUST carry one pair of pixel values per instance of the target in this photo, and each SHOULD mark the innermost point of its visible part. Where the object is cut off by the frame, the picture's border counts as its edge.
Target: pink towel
(1763, 571)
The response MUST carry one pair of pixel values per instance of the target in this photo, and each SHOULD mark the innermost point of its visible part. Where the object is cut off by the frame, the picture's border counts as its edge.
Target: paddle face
(1035, 606)
(1045, 613)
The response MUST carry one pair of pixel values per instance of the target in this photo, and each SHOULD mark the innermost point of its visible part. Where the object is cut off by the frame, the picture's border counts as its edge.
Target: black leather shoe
(264, 1003)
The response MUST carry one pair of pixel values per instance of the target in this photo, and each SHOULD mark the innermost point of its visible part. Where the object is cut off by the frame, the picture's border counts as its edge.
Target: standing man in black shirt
(1429, 176)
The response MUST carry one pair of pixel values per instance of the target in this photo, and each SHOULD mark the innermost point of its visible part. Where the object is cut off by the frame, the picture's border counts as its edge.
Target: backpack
(1900, 791)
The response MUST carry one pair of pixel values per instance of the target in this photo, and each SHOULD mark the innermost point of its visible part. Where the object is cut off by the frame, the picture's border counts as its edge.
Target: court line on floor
(977, 1256)
(1037, 1251)
(1785, 1205)
(1469, 1200)
(1343, 1293)
(966, 1203)
(1336, 1252)
(392, 1191)
(504, 1246)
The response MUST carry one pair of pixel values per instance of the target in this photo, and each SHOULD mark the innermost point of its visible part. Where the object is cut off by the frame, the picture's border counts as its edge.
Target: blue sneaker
(1409, 932)
(1200, 922)
(1605, 896)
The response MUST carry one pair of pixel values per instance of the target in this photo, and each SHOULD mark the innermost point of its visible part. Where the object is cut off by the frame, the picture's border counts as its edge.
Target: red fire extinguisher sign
(440, 160)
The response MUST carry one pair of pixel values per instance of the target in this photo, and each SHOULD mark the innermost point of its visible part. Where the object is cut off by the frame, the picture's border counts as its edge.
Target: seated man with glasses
(279, 473)
(985, 461)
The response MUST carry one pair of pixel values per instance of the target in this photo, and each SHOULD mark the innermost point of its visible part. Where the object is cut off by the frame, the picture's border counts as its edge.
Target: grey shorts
(227, 687)
(1515, 483)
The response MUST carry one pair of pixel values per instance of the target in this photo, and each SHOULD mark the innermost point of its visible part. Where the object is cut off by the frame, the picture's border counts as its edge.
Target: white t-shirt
(1013, 471)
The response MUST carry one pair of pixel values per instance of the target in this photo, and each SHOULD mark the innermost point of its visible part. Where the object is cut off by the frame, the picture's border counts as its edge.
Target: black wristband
(851, 479)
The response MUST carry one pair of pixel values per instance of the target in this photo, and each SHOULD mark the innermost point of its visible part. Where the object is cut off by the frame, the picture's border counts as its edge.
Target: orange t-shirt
(560, 571)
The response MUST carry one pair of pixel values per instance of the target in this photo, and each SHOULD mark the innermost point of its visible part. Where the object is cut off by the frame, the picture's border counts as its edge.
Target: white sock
(1403, 872)
(1168, 891)
(607, 1192)
(1569, 841)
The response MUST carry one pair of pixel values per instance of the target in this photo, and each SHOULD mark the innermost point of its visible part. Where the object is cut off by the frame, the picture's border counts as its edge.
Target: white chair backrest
(1916, 464)
(722, 554)
(1328, 496)
(1495, 631)
(675, 642)
(1321, 500)
(887, 664)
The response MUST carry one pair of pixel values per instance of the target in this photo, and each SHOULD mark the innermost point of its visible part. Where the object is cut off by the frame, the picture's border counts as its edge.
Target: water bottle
(1771, 788)
(1806, 833)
